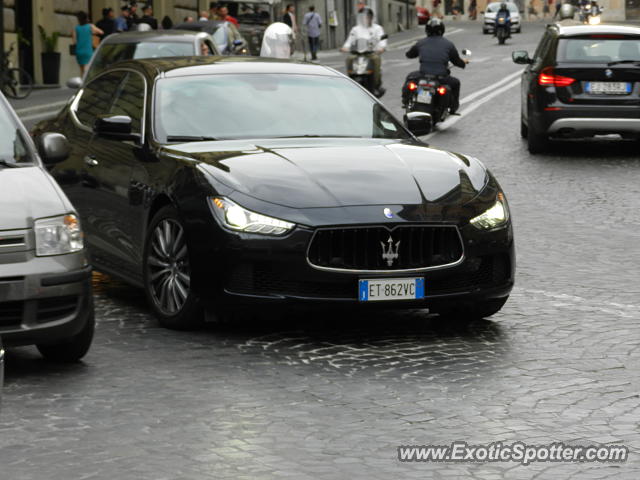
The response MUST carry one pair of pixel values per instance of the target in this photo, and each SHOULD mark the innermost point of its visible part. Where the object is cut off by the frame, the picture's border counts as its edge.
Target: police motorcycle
(590, 14)
(428, 96)
(502, 28)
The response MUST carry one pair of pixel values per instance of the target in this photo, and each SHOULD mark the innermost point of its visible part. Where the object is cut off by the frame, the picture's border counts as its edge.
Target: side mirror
(418, 123)
(115, 127)
(53, 147)
(74, 83)
(521, 57)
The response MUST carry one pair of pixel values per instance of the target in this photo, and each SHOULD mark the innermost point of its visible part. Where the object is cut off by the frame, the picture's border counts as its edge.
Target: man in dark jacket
(148, 18)
(107, 24)
(435, 53)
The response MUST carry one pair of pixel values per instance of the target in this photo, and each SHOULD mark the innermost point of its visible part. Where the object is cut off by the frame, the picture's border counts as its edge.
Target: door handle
(90, 160)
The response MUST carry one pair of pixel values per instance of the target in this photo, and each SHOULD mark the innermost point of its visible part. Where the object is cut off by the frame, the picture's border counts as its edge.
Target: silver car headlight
(235, 217)
(494, 217)
(58, 235)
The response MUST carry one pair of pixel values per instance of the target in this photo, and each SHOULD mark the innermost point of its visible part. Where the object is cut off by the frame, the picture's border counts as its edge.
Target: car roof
(171, 67)
(575, 30)
(152, 36)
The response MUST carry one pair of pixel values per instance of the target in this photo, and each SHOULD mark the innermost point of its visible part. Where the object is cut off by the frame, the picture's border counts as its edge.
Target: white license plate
(609, 88)
(424, 96)
(378, 289)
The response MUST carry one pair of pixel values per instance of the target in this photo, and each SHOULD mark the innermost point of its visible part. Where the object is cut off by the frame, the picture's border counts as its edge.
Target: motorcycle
(503, 29)
(429, 97)
(590, 14)
(360, 66)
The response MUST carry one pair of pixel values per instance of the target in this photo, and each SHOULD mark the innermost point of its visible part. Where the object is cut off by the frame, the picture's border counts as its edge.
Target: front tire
(167, 273)
(71, 349)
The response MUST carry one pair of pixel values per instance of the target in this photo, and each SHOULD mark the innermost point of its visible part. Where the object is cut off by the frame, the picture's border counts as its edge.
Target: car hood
(27, 193)
(338, 173)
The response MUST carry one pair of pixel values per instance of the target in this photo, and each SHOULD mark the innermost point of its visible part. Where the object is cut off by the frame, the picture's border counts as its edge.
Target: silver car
(45, 279)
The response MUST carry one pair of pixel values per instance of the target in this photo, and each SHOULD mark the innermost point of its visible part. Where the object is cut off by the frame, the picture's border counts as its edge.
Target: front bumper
(44, 299)
(276, 270)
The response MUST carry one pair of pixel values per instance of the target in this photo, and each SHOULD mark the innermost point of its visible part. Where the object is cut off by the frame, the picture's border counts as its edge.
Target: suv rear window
(600, 48)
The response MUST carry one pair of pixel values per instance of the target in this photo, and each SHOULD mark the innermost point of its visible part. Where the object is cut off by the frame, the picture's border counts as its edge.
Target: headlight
(58, 235)
(235, 217)
(495, 216)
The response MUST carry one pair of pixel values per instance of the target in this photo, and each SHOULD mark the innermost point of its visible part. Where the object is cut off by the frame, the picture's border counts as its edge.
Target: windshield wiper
(188, 138)
(318, 136)
(618, 62)
(7, 163)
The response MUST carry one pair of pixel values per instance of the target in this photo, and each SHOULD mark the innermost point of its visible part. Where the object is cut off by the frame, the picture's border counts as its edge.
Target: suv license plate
(380, 289)
(424, 96)
(609, 88)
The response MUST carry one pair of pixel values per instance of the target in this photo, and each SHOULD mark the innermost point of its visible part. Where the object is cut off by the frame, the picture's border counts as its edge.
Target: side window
(542, 47)
(96, 98)
(129, 100)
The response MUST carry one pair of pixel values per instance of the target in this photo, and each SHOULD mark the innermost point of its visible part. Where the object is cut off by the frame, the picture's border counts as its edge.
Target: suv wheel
(71, 349)
(536, 142)
(167, 274)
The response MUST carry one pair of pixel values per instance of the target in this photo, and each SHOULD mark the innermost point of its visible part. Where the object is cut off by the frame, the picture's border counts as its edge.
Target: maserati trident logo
(390, 253)
(608, 73)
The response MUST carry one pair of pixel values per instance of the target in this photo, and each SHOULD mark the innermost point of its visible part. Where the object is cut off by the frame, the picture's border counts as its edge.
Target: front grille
(11, 313)
(50, 309)
(364, 248)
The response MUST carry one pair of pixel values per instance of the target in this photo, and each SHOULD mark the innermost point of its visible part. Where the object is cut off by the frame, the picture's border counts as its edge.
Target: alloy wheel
(168, 273)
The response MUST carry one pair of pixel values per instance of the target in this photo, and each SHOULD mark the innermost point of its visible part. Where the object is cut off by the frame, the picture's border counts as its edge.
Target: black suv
(582, 81)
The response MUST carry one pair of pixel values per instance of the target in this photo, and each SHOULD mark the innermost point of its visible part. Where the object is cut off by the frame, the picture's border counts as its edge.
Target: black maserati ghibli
(223, 183)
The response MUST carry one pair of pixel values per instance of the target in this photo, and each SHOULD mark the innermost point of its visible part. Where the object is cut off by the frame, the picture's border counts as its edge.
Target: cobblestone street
(331, 395)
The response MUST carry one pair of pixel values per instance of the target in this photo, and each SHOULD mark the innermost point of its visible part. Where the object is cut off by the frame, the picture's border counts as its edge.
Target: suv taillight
(548, 78)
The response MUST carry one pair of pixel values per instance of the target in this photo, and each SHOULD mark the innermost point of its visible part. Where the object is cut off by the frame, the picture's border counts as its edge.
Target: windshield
(250, 12)
(599, 49)
(13, 148)
(116, 52)
(494, 7)
(268, 106)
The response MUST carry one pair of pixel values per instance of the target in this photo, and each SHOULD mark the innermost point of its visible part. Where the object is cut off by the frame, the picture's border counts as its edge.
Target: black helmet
(435, 27)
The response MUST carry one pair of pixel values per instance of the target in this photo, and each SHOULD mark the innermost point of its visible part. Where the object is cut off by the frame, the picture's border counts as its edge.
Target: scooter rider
(372, 34)
(503, 12)
(435, 53)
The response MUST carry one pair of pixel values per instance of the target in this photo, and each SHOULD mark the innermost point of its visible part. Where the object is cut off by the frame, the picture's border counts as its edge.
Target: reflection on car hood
(312, 173)
(27, 193)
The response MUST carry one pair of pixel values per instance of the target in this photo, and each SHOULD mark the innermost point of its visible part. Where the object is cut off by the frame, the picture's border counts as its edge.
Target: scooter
(360, 68)
(503, 29)
(428, 96)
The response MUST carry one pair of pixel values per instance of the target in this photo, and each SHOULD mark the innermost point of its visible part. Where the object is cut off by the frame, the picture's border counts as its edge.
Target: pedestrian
(122, 22)
(223, 15)
(213, 11)
(148, 18)
(107, 24)
(188, 19)
(313, 22)
(82, 38)
(558, 6)
(473, 10)
(545, 9)
(204, 16)
(436, 4)
(167, 23)
(133, 20)
(289, 18)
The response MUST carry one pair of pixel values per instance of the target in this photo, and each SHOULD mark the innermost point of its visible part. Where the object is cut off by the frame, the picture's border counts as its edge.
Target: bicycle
(15, 82)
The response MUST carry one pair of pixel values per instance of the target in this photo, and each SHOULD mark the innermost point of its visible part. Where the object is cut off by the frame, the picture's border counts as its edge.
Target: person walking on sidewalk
(289, 18)
(107, 24)
(82, 38)
(148, 18)
(313, 22)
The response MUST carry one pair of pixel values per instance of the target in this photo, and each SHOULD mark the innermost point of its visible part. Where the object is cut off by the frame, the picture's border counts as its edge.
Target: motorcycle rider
(503, 12)
(435, 53)
(277, 41)
(372, 34)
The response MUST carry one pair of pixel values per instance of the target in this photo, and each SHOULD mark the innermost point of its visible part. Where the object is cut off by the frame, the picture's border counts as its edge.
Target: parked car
(489, 24)
(45, 284)
(228, 182)
(222, 35)
(423, 15)
(150, 44)
(582, 81)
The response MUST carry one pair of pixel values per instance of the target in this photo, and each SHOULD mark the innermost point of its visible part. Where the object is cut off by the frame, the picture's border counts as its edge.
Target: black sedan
(582, 81)
(222, 183)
